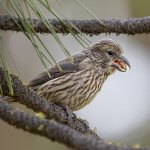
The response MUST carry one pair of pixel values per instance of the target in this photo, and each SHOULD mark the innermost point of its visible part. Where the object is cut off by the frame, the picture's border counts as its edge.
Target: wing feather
(66, 66)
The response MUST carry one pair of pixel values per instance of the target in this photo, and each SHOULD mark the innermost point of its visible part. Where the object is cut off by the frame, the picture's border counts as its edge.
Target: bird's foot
(68, 111)
(85, 122)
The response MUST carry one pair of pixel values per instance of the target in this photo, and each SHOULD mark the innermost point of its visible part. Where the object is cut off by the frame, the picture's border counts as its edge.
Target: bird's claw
(86, 123)
(68, 111)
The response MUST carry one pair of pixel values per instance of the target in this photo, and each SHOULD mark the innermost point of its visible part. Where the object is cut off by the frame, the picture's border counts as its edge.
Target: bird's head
(108, 54)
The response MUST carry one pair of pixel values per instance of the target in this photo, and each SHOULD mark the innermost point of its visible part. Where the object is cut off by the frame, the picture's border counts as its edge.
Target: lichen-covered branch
(30, 98)
(53, 130)
(92, 27)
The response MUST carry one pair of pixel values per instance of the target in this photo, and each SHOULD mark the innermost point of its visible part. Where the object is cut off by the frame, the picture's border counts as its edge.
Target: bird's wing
(66, 66)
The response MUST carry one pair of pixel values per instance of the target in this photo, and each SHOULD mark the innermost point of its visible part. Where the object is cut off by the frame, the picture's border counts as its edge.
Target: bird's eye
(110, 53)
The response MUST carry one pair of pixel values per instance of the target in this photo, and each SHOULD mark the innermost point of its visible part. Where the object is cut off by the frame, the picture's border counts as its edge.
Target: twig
(53, 130)
(130, 26)
(30, 98)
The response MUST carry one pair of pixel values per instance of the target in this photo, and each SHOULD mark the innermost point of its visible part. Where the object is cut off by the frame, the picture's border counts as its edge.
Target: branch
(130, 26)
(53, 130)
(33, 101)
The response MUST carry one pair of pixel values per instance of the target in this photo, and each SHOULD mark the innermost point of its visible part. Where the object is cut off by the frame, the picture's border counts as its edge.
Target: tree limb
(130, 26)
(53, 130)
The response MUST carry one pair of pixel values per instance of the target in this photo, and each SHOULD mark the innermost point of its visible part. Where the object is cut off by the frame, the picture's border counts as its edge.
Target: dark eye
(110, 52)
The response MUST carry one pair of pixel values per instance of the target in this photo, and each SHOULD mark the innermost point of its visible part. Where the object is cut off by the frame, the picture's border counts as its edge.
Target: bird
(78, 83)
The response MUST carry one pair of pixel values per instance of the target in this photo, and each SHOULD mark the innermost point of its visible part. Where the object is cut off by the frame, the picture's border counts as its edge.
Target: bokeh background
(121, 111)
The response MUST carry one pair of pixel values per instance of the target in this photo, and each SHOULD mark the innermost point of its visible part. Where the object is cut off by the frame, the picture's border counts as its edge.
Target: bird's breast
(75, 89)
(91, 85)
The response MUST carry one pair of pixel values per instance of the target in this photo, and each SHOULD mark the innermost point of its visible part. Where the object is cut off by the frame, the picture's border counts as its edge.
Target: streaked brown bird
(78, 83)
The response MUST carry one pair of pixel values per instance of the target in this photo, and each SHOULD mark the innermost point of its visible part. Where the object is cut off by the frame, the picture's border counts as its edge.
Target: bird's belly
(86, 93)
(76, 90)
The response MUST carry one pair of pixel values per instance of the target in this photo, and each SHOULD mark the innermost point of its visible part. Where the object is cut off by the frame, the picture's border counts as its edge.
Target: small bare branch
(130, 26)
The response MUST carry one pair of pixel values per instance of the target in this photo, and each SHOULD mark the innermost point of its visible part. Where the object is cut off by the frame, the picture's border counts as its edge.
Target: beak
(121, 64)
